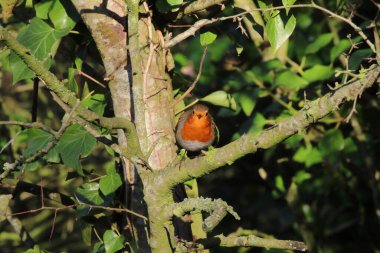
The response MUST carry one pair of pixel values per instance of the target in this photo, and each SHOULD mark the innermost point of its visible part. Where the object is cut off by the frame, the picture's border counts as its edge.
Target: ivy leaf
(89, 193)
(276, 32)
(339, 48)
(207, 38)
(318, 73)
(63, 15)
(286, 3)
(110, 183)
(74, 143)
(331, 145)
(112, 241)
(220, 98)
(37, 139)
(289, 80)
(309, 156)
(39, 37)
(322, 41)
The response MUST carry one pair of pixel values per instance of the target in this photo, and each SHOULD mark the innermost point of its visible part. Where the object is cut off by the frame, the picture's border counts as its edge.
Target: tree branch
(57, 86)
(197, 6)
(217, 209)
(250, 241)
(136, 68)
(250, 143)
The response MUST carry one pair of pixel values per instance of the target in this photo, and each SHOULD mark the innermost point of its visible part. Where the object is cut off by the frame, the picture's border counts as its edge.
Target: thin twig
(36, 80)
(10, 141)
(200, 23)
(80, 72)
(9, 167)
(192, 86)
(353, 110)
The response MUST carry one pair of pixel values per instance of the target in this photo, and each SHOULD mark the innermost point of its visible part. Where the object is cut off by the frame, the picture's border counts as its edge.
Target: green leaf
(207, 38)
(89, 193)
(110, 183)
(74, 143)
(164, 6)
(98, 248)
(322, 41)
(308, 155)
(53, 156)
(331, 145)
(357, 57)
(276, 32)
(63, 15)
(19, 69)
(220, 98)
(286, 3)
(42, 9)
(248, 102)
(280, 183)
(36, 249)
(318, 73)
(289, 80)
(339, 48)
(112, 241)
(72, 83)
(39, 37)
(175, 2)
(37, 139)
(95, 102)
(301, 176)
(258, 123)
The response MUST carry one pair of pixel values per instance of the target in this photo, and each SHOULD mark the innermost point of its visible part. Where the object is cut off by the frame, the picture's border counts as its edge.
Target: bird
(195, 128)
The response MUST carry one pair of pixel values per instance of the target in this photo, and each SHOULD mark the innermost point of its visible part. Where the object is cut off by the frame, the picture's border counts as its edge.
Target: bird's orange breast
(197, 129)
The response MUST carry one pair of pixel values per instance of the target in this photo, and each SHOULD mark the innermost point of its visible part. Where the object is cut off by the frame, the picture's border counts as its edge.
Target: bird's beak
(199, 116)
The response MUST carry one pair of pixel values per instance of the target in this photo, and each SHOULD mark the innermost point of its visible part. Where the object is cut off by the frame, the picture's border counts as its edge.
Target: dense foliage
(320, 186)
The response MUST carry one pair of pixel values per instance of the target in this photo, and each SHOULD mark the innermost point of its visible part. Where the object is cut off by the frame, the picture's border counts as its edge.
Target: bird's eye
(193, 112)
(206, 113)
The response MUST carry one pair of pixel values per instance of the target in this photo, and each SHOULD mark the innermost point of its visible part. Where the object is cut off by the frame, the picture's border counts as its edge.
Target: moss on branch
(217, 209)
(68, 96)
(251, 241)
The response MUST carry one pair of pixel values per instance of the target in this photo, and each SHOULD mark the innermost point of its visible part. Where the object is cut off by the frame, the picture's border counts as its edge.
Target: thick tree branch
(250, 143)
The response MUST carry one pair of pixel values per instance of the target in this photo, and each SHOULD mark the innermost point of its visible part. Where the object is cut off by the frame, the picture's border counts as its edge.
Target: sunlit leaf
(322, 41)
(220, 98)
(110, 183)
(207, 38)
(289, 80)
(112, 241)
(277, 33)
(318, 73)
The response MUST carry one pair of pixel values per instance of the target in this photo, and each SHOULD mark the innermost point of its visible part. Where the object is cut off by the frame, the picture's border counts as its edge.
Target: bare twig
(353, 110)
(192, 86)
(36, 80)
(81, 73)
(200, 23)
(10, 141)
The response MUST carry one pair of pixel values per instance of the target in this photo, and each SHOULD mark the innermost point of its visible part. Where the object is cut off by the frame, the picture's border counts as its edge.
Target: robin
(195, 128)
